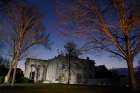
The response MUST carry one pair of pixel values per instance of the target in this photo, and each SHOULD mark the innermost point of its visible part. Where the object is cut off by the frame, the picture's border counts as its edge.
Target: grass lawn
(61, 88)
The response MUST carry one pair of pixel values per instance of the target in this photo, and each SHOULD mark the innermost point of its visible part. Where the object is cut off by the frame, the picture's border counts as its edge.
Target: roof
(58, 57)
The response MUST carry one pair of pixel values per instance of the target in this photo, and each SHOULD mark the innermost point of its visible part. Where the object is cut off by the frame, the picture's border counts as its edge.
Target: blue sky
(51, 24)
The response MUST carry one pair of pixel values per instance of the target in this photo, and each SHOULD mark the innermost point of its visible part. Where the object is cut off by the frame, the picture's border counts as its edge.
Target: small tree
(71, 52)
(24, 29)
(71, 49)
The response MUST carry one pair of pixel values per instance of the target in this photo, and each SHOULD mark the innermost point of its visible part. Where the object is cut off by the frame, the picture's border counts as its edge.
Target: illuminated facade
(57, 70)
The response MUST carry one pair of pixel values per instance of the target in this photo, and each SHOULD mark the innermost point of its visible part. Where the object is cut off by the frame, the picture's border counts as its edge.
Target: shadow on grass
(61, 88)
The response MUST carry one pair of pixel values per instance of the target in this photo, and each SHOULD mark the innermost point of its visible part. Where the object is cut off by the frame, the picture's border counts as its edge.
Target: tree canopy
(108, 25)
(72, 49)
(22, 28)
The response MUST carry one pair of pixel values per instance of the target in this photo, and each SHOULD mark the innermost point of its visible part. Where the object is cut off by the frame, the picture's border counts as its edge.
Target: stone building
(56, 70)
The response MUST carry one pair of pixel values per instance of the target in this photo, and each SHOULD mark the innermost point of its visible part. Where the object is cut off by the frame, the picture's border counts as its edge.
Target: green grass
(61, 88)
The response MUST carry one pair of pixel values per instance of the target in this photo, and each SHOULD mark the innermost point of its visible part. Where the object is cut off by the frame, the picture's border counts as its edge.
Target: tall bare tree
(109, 25)
(24, 29)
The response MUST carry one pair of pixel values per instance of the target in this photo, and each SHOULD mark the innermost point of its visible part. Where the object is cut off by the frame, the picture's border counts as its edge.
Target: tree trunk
(130, 59)
(14, 75)
(7, 77)
(132, 75)
(69, 67)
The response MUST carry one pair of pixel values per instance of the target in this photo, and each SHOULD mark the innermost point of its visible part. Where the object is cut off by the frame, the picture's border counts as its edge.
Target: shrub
(25, 80)
(1, 79)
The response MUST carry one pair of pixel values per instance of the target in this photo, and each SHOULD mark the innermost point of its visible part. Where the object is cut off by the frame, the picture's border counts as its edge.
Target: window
(32, 75)
(38, 71)
(79, 77)
(63, 66)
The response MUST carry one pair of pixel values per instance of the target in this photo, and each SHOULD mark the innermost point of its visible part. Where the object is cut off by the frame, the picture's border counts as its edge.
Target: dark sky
(51, 24)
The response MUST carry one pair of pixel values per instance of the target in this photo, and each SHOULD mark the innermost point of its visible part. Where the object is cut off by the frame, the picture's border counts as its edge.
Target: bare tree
(72, 49)
(109, 25)
(71, 52)
(24, 29)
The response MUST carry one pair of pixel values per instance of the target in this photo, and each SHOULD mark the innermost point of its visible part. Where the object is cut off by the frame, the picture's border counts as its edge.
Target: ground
(60, 88)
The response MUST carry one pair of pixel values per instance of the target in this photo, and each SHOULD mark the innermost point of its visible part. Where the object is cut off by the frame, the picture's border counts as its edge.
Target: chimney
(87, 58)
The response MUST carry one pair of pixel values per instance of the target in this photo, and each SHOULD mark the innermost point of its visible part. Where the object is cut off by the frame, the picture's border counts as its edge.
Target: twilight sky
(51, 24)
